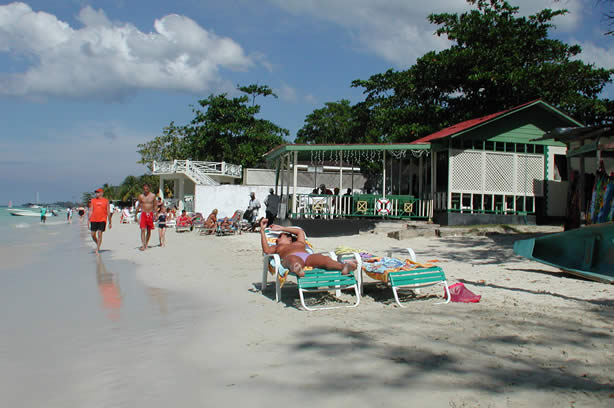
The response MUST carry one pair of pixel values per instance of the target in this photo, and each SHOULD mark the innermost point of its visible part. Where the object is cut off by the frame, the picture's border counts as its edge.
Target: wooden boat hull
(587, 252)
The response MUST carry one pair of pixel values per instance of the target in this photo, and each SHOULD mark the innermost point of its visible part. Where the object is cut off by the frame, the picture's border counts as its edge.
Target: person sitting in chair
(291, 249)
(211, 221)
(184, 220)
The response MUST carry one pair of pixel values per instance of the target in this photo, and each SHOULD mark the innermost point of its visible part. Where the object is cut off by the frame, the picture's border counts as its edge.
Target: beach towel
(459, 293)
(378, 268)
(347, 250)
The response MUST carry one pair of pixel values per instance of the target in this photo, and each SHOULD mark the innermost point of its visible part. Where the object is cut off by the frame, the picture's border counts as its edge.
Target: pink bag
(459, 293)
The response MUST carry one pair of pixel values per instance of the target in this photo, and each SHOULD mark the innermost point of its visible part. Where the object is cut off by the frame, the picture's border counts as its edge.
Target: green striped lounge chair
(315, 280)
(416, 278)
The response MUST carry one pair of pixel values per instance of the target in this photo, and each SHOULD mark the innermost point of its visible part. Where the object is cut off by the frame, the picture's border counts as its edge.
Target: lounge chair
(198, 221)
(234, 227)
(315, 279)
(182, 226)
(409, 274)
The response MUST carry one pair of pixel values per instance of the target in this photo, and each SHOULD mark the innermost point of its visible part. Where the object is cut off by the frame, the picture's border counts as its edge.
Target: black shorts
(98, 226)
(161, 225)
(81, 212)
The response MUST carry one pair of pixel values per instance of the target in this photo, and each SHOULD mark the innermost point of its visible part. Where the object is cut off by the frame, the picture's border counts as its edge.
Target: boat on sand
(587, 251)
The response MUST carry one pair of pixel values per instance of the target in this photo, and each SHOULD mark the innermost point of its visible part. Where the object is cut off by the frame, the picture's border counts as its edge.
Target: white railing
(362, 205)
(200, 171)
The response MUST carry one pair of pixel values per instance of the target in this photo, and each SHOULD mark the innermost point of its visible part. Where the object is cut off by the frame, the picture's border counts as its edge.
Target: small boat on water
(24, 213)
(587, 251)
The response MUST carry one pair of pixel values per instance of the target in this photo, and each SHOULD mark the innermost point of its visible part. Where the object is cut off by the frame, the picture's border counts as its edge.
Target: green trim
(283, 149)
(538, 102)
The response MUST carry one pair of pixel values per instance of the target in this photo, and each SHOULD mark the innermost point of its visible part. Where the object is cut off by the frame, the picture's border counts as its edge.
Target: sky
(82, 83)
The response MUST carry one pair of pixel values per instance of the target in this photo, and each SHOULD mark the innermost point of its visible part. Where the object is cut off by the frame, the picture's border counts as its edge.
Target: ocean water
(82, 331)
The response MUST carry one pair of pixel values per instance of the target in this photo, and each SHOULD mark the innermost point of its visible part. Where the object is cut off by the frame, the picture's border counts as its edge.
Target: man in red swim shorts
(146, 203)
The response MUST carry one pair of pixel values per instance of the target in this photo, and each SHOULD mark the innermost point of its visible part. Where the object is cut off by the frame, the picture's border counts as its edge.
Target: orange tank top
(98, 209)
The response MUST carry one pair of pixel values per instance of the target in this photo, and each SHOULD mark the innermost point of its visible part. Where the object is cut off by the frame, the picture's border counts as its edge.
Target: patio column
(161, 187)
(420, 181)
(277, 176)
(433, 186)
(384, 178)
(294, 180)
(341, 172)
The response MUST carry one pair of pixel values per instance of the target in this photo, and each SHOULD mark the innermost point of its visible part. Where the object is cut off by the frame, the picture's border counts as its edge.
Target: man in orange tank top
(98, 214)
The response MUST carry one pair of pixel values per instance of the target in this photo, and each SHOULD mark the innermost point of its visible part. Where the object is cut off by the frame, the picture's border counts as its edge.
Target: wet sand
(538, 337)
(192, 328)
(81, 331)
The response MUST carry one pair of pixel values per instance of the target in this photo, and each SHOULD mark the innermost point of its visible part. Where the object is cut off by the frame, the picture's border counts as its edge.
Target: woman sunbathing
(211, 221)
(291, 249)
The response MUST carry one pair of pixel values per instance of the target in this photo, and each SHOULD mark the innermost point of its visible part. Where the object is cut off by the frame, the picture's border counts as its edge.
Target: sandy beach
(538, 337)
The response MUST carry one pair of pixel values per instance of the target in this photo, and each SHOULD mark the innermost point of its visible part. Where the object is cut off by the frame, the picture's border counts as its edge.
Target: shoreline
(538, 335)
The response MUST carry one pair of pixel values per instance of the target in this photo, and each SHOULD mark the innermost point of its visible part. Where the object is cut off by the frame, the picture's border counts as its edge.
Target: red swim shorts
(147, 220)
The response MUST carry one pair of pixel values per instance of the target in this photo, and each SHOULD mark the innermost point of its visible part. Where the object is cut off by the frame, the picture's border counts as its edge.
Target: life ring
(383, 206)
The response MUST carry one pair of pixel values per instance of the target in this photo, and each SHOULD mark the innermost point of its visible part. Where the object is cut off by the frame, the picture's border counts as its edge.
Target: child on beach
(162, 214)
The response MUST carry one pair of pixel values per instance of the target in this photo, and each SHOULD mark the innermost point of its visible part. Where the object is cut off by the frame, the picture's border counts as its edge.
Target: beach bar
(401, 191)
(493, 170)
(487, 170)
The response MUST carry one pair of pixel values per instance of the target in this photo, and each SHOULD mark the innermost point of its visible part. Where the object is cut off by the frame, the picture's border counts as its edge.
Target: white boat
(24, 213)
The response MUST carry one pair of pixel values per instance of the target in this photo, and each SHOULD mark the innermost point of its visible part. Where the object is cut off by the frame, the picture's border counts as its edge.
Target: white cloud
(109, 60)
(286, 93)
(398, 30)
(309, 98)
(594, 54)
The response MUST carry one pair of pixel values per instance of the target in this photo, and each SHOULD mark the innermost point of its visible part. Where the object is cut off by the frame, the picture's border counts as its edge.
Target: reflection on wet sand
(108, 286)
(159, 297)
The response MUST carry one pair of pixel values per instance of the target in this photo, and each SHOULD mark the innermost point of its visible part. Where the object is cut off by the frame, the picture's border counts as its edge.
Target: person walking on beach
(146, 202)
(162, 215)
(291, 249)
(69, 215)
(272, 206)
(43, 214)
(99, 212)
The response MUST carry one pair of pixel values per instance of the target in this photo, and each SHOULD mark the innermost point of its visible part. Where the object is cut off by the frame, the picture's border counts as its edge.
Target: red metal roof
(449, 131)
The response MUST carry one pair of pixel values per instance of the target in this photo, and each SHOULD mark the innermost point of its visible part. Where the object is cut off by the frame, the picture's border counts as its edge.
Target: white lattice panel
(466, 170)
(529, 175)
(499, 173)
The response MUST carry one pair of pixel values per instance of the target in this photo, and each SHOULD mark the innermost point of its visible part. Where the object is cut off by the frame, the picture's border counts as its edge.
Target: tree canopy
(497, 60)
(225, 129)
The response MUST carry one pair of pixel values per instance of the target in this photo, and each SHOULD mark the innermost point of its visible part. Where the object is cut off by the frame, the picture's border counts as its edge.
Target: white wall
(229, 198)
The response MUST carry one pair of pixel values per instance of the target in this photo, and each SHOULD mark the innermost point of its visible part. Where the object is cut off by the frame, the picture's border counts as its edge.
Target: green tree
(130, 188)
(254, 90)
(86, 197)
(223, 129)
(169, 146)
(332, 124)
(498, 60)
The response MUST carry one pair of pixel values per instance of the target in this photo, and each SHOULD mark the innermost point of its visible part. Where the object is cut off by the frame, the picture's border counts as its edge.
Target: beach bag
(459, 293)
